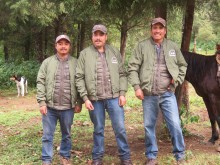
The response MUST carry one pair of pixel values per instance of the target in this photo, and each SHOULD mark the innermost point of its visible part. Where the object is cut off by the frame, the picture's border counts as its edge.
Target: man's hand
(122, 101)
(172, 83)
(139, 94)
(43, 110)
(89, 105)
(77, 108)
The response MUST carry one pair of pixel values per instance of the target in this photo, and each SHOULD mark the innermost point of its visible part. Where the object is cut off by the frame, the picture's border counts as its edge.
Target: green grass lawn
(21, 131)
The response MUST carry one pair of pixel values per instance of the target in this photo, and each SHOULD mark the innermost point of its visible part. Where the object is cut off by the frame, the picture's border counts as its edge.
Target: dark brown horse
(201, 73)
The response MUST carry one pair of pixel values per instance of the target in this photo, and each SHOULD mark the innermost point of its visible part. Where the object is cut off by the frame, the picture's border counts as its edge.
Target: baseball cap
(158, 20)
(63, 36)
(99, 27)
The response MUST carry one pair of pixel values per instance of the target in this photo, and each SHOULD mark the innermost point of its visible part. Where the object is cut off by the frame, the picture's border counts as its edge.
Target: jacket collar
(66, 59)
(162, 43)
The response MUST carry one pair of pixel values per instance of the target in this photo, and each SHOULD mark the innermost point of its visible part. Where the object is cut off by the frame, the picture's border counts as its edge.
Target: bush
(28, 69)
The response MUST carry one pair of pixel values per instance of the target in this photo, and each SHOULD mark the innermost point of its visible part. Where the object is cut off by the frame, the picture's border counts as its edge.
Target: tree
(182, 91)
(4, 28)
(125, 14)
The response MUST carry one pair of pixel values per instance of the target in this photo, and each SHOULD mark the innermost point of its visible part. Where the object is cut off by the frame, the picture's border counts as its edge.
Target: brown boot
(64, 161)
(181, 162)
(97, 162)
(151, 162)
(126, 162)
(46, 163)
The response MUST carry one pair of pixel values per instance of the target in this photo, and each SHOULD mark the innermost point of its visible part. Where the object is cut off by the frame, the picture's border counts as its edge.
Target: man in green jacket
(101, 81)
(155, 69)
(58, 99)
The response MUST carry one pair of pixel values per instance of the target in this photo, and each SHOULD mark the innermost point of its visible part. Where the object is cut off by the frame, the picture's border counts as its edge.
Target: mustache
(98, 40)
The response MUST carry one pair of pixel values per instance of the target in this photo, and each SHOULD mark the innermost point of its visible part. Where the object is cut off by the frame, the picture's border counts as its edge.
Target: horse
(202, 74)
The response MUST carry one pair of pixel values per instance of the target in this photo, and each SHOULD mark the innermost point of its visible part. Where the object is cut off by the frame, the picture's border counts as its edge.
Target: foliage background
(28, 28)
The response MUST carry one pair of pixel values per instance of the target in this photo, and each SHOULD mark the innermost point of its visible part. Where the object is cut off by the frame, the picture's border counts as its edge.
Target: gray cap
(158, 20)
(63, 36)
(99, 27)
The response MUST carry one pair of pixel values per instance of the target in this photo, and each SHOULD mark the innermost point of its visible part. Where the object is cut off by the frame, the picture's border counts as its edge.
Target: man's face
(158, 32)
(63, 47)
(99, 39)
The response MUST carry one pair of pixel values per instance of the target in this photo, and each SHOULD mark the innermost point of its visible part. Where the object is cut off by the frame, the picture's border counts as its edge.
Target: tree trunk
(217, 46)
(188, 23)
(183, 96)
(39, 47)
(57, 31)
(6, 54)
(27, 48)
(45, 42)
(194, 44)
(81, 37)
(57, 28)
(161, 11)
(60, 25)
(124, 30)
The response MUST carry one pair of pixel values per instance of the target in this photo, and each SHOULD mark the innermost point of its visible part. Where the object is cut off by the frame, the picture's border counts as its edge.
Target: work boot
(64, 161)
(126, 162)
(46, 163)
(151, 162)
(97, 162)
(181, 162)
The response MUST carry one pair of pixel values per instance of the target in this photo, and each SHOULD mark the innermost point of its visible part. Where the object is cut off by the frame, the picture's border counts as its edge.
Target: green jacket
(141, 64)
(86, 75)
(46, 81)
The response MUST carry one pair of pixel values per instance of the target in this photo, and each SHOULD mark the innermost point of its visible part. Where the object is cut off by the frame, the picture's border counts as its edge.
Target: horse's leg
(215, 133)
(215, 102)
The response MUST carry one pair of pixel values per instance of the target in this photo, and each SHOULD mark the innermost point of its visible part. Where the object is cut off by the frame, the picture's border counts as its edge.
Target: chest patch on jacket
(172, 52)
(114, 60)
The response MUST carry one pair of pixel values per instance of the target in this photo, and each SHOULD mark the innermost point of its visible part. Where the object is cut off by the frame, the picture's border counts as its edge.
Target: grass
(21, 132)
(12, 118)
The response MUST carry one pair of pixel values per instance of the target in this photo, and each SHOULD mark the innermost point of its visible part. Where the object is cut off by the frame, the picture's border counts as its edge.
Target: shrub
(28, 69)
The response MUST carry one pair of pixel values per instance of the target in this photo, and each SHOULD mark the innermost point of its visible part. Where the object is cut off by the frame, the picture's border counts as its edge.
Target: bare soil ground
(196, 142)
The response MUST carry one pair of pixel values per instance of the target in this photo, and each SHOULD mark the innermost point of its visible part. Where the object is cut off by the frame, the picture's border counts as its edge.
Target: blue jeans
(49, 121)
(116, 114)
(168, 105)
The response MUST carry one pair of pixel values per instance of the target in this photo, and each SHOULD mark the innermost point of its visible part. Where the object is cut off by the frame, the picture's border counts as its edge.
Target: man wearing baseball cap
(155, 69)
(57, 98)
(102, 83)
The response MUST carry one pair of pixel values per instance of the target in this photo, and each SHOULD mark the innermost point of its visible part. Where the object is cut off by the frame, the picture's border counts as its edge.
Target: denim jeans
(168, 105)
(116, 114)
(49, 121)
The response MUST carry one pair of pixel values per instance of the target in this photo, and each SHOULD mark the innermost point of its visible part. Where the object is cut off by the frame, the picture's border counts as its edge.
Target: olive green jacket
(46, 81)
(86, 72)
(141, 64)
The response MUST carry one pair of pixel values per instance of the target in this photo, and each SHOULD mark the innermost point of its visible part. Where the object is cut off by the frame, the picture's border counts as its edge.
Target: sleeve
(182, 65)
(80, 77)
(41, 90)
(79, 100)
(134, 65)
(122, 76)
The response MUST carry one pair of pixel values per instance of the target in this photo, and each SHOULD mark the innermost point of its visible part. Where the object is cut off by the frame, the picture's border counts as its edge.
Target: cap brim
(63, 39)
(158, 22)
(98, 30)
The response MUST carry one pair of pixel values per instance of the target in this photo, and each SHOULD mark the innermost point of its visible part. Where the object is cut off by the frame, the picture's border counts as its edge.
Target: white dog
(21, 83)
